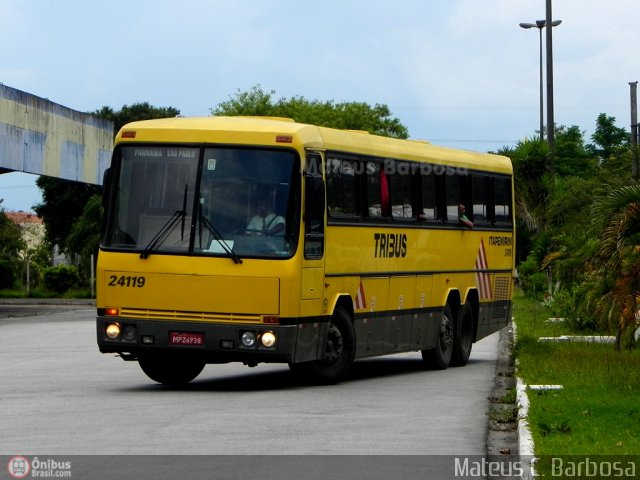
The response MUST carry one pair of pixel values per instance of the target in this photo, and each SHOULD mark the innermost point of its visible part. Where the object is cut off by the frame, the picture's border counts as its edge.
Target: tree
(578, 230)
(84, 237)
(344, 115)
(571, 240)
(11, 244)
(134, 112)
(10, 238)
(572, 158)
(62, 203)
(532, 187)
(607, 138)
(617, 278)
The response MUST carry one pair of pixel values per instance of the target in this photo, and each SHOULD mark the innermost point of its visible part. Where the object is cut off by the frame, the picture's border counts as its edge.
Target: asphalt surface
(389, 419)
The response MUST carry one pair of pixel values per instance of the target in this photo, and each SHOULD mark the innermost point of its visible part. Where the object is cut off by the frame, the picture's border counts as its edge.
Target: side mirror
(107, 178)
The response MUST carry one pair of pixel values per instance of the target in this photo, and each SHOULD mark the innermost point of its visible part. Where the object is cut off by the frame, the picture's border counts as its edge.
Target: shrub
(533, 280)
(572, 305)
(7, 274)
(61, 278)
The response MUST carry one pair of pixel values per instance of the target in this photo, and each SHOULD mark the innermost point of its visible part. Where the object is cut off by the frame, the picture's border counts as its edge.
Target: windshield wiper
(220, 239)
(164, 231)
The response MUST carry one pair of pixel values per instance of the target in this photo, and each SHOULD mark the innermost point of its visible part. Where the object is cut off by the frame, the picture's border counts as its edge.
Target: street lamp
(540, 24)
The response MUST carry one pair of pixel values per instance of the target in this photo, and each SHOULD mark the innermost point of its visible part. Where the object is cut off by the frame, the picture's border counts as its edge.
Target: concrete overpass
(44, 138)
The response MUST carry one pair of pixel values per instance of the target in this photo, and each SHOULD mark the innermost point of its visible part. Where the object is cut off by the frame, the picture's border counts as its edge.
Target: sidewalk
(48, 301)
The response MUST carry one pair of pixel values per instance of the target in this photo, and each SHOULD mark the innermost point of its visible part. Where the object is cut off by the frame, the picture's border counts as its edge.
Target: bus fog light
(248, 339)
(113, 331)
(268, 339)
(129, 332)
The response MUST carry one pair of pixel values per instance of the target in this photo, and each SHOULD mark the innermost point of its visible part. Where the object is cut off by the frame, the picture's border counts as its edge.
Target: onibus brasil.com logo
(21, 467)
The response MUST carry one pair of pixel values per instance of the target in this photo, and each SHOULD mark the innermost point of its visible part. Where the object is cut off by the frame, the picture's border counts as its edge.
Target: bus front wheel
(439, 357)
(170, 370)
(340, 350)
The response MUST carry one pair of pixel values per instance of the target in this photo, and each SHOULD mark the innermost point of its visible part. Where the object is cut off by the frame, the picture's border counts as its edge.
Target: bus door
(312, 277)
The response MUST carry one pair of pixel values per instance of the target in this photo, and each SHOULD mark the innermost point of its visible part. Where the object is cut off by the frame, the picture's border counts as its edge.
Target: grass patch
(532, 319)
(509, 397)
(77, 293)
(503, 413)
(585, 421)
(598, 411)
(42, 293)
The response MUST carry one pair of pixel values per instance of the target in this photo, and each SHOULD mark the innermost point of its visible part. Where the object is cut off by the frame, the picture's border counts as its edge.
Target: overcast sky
(459, 73)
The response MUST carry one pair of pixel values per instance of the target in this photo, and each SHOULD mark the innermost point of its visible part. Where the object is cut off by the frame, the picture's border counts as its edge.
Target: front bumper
(221, 342)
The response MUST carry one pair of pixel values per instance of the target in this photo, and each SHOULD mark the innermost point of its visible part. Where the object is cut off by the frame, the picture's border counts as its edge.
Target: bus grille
(502, 295)
(189, 316)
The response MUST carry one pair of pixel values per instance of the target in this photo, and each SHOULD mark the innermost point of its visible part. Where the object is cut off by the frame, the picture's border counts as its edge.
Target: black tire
(463, 340)
(340, 350)
(169, 369)
(439, 358)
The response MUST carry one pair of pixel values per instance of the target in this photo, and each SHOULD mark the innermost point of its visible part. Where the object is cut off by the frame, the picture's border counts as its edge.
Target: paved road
(60, 396)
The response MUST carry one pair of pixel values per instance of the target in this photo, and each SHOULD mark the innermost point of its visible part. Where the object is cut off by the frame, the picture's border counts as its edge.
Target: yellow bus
(254, 239)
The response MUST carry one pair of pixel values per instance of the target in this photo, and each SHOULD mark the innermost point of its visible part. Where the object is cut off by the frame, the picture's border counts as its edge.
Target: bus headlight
(268, 339)
(248, 339)
(112, 331)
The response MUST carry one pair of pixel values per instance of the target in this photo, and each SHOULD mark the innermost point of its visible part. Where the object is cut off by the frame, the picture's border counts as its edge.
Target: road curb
(526, 446)
(502, 437)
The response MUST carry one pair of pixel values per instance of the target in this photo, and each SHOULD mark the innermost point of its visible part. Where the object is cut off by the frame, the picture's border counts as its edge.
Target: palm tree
(617, 261)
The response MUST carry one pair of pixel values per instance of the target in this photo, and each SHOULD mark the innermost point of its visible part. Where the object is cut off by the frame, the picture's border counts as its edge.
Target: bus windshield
(211, 201)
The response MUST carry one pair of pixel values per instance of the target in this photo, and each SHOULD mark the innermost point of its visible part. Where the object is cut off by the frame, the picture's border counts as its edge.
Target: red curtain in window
(384, 194)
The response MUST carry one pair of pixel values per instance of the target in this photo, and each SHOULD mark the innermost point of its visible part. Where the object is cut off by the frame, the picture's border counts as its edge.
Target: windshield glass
(233, 202)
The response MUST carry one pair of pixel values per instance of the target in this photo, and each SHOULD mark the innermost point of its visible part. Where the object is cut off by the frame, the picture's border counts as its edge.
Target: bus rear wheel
(340, 350)
(463, 340)
(170, 369)
(439, 357)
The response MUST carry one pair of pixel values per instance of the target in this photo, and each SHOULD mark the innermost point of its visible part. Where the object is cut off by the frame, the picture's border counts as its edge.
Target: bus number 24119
(126, 281)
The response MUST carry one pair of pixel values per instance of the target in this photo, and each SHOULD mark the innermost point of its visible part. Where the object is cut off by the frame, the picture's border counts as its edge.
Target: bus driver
(266, 222)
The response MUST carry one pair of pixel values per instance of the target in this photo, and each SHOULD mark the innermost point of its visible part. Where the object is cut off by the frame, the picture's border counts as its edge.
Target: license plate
(192, 339)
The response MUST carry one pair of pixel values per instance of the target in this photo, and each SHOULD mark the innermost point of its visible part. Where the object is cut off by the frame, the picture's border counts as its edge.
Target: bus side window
(502, 201)
(401, 192)
(314, 208)
(341, 188)
(453, 195)
(428, 193)
(377, 187)
(479, 199)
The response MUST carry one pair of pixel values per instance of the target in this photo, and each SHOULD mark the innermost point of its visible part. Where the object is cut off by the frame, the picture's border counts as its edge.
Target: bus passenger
(462, 217)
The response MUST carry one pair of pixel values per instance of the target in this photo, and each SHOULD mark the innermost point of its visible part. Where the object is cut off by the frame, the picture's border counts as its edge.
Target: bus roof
(274, 131)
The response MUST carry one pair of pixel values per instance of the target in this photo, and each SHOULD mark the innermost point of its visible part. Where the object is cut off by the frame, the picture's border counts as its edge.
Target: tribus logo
(19, 467)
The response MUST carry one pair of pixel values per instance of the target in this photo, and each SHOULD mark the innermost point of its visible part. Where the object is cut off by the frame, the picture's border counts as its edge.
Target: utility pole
(550, 119)
(635, 165)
